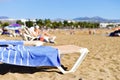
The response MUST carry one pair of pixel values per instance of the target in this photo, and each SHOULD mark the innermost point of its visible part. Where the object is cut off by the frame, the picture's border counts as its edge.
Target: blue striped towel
(33, 56)
(11, 42)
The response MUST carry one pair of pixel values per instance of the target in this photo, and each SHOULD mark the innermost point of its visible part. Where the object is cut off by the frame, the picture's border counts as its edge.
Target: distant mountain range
(96, 19)
(82, 19)
(4, 17)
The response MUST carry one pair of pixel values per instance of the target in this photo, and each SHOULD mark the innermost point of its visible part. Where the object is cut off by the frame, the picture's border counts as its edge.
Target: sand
(101, 63)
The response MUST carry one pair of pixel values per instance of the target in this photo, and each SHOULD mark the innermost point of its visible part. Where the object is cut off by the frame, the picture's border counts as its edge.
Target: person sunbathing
(42, 35)
(48, 36)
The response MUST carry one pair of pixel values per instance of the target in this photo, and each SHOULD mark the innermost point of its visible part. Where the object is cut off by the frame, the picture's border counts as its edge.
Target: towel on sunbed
(30, 55)
(11, 42)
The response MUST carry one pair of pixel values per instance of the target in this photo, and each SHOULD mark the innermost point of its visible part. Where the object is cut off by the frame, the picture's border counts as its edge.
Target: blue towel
(11, 42)
(33, 56)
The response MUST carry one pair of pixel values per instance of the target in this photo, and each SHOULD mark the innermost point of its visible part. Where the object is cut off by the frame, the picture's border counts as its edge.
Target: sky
(65, 9)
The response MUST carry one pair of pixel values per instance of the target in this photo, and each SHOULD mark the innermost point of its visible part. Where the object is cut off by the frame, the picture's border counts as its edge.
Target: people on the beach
(92, 31)
(42, 35)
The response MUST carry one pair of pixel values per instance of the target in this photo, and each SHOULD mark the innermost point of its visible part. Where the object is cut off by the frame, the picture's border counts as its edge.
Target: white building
(104, 25)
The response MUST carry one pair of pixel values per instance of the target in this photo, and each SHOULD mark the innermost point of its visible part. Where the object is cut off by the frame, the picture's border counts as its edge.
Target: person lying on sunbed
(42, 35)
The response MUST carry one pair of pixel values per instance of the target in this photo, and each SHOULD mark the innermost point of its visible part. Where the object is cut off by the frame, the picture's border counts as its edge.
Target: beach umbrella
(14, 27)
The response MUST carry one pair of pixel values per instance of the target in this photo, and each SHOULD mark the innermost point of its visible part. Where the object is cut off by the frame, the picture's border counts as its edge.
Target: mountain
(96, 19)
(81, 19)
(58, 19)
(4, 17)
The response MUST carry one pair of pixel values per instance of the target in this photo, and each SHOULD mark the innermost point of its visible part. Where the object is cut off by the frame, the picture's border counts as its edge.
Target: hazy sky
(69, 9)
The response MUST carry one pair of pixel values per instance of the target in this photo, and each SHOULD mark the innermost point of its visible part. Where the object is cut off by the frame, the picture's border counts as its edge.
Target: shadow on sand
(5, 68)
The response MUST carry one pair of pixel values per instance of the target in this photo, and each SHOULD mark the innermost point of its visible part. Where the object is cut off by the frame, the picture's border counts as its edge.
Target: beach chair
(35, 56)
(70, 49)
(26, 35)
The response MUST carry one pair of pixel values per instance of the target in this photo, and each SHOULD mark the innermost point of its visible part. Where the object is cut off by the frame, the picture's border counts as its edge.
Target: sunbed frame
(67, 49)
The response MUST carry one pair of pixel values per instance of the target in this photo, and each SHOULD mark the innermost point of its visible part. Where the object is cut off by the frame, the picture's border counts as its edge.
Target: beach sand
(101, 63)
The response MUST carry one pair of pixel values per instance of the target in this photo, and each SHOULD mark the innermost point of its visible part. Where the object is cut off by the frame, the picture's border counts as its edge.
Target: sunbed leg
(62, 70)
(83, 52)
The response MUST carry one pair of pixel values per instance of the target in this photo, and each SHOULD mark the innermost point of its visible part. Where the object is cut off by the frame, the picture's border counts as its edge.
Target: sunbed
(34, 56)
(27, 36)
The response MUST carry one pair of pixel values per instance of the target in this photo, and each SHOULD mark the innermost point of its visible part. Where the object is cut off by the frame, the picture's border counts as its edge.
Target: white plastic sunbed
(68, 49)
(35, 56)
(27, 36)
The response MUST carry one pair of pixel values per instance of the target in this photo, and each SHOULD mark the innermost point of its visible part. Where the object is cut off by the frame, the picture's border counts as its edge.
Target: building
(106, 25)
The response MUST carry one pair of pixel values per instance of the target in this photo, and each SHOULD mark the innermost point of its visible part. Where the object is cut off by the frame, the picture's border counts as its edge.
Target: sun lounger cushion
(30, 55)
